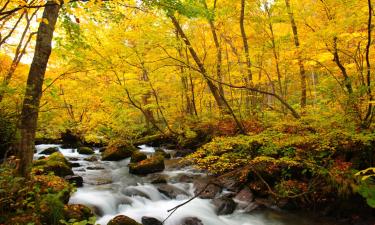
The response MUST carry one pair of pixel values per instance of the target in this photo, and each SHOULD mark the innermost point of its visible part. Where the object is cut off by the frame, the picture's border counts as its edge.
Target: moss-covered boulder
(122, 220)
(49, 151)
(163, 153)
(85, 150)
(137, 156)
(55, 163)
(150, 165)
(77, 212)
(117, 152)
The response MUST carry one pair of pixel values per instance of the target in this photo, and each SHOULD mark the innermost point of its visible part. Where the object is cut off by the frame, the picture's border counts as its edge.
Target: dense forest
(271, 98)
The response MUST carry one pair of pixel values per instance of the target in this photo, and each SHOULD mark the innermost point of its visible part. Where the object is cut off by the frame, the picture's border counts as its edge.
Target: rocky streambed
(110, 190)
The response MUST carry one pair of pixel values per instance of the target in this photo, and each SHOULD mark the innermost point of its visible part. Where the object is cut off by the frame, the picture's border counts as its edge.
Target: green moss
(55, 163)
(122, 220)
(85, 150)
(150, 165)
(137, 156)
(117, 152)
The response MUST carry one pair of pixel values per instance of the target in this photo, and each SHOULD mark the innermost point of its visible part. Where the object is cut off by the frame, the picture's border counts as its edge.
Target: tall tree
(31, 101)
(302, 70)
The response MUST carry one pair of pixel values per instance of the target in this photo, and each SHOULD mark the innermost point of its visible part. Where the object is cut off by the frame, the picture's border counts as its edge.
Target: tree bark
(31, 101)
(302, 70)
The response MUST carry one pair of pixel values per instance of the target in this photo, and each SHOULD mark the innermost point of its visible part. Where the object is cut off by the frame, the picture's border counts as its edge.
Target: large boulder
(206, 188)
(85, 150)
(170, 191)
(191, 221)
(151, 165)
(137, 156)
(118, 152)
(150, 221)
(49, 151)
(77, 212)
(55, 163)
(122, 220)
(224, 205)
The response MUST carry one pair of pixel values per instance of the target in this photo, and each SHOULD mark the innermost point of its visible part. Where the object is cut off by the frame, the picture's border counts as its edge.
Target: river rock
(77, 212)
(170, 191)
(122, 220)
(245, 195)
(74, 179)
(74, 164)
(150, 221)
(191, 221)
(118, 152)
(137, 156)
(163, 153)
(49, 151)
(94, 168)
(91, 159)
(159, 179)
(73, 158)
(85, 150)
(210, 191)
(224, 205)
(131, 191)
(55, 163)
(150, 165)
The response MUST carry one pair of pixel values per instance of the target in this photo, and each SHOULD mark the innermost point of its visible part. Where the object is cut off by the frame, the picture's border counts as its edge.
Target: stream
(110, 190)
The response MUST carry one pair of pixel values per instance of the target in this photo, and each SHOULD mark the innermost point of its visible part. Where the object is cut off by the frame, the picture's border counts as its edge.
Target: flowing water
(110, 190)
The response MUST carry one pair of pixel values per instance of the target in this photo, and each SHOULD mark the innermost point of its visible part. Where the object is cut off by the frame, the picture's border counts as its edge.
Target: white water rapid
(110, 190)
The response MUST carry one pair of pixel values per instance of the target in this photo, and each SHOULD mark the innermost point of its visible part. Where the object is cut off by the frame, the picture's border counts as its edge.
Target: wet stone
(150, 221)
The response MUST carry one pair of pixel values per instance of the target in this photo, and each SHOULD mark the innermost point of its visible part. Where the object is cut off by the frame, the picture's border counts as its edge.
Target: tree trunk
(245, 43)
(300, 61)
(219, 57)
(31, 102)
(220, 100)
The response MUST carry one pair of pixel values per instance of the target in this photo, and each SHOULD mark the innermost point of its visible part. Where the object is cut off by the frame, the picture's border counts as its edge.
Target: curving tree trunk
(31, 101)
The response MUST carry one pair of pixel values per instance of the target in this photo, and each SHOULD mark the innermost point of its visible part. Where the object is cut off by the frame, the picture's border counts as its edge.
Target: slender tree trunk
(188, 109)
(300, 61)
(31, 101)
(149, 116)
(20, 51)
(274, 51)
(218, 51)
(220, 100)
(369, 114)
(245, 43)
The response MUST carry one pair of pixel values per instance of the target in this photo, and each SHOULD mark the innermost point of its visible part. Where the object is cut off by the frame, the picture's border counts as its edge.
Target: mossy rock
(77, 212)
(55, 163)
(147, 166)
(118, 152)
(137, 156)
(122, 220)
(49, 151)
(163, 153)
(85, 150)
